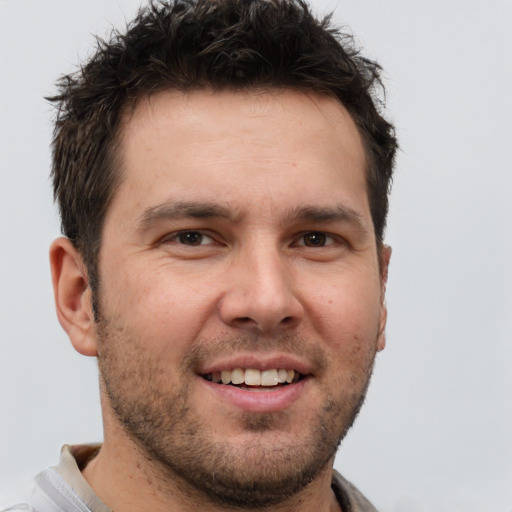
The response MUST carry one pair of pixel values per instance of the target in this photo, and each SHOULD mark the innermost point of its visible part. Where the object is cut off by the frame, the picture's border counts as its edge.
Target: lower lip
(259, 400)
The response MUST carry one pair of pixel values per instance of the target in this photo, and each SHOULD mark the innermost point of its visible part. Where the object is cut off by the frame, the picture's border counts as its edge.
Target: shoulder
(349, 496)
(19, 508)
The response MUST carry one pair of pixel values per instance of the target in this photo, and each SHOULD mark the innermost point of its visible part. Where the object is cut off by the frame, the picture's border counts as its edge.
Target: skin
(240, 235)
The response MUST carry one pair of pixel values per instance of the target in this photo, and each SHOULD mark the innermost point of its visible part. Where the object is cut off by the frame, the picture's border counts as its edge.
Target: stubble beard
(178, 442)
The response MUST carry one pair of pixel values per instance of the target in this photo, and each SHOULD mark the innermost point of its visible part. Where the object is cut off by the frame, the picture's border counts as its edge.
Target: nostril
(244, 321)
(247, 321)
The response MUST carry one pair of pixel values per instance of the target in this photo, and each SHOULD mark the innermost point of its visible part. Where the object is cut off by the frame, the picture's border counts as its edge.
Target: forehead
(216, 112)
(277, 146)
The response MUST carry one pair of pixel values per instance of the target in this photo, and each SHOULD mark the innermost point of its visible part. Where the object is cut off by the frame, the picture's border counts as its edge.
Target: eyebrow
(171, 210)
(339, 213)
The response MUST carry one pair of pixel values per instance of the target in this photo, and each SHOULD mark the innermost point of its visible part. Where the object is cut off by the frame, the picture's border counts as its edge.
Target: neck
(128, 481)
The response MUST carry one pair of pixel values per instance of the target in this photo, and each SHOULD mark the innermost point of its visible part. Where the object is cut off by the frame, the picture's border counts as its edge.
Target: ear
(385, 256)
(73, 298)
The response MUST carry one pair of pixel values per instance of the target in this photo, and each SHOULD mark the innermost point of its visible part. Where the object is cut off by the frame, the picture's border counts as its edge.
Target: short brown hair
(190, 44)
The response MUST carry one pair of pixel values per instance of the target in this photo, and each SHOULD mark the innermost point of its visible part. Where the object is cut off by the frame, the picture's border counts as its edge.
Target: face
(241, 300)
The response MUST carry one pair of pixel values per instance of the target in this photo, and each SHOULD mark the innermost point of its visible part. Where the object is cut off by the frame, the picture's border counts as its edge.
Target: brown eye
(315, 239)
(191, 238)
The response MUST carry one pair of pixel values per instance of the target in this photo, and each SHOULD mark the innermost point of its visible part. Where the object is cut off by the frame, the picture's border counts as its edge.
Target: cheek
(346, 314)
(160, 307)
(350, 336)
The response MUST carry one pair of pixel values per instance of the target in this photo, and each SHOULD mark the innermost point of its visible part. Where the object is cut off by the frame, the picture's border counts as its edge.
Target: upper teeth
(253, 377)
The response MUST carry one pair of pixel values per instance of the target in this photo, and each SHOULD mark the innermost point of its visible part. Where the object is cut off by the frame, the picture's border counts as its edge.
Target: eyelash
(177, 237)
(322, 237)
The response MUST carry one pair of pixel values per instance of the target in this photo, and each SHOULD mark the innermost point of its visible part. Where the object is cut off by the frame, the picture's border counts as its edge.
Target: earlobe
(72, 295)
(385, 257)
(381, 342)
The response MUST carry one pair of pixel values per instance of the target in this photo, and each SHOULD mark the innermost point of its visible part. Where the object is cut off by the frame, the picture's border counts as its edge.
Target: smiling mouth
(253, 379)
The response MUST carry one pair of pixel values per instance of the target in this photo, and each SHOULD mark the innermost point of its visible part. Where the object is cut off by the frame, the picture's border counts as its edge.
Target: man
(222, 175)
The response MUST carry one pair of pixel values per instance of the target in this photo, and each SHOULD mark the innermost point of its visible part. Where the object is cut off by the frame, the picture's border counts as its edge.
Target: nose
(260, 294)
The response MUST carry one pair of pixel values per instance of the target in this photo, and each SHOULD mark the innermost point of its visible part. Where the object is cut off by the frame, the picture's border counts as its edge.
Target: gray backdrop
(435, 433)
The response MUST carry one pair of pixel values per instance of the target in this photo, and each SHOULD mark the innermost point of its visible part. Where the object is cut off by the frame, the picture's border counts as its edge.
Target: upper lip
(258, 361)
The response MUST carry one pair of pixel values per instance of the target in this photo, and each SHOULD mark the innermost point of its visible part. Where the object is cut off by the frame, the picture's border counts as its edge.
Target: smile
(253, 377)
